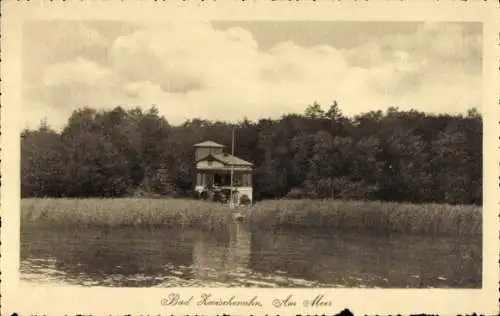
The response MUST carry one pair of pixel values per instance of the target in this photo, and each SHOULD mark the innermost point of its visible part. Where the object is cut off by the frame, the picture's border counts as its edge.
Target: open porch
(222, 178)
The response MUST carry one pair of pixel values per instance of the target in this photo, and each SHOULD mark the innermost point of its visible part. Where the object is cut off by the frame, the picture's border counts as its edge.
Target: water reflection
(222, 256)
(127, 257)
(239, 257)
(355, 260)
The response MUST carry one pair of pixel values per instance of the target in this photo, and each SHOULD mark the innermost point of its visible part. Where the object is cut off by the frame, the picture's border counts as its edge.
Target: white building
(213, 168)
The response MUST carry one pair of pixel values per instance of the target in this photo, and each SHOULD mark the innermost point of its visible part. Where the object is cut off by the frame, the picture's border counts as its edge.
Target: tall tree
(395, 156)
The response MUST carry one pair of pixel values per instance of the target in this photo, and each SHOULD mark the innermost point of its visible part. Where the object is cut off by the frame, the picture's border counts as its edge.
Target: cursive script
(318, 301)
(174, 299)
(209, 300)
(286, 302)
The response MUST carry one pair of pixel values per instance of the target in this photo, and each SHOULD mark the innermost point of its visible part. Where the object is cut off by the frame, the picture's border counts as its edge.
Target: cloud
(47, 43)
(80, 71)
(194, 70)
(187, 54)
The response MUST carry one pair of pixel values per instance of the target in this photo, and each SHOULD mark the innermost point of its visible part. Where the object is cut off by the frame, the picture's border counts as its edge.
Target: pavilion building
(213, 169)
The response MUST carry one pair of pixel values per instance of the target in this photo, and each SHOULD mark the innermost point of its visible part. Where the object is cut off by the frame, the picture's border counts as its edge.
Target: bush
(245, 200)
(296, 193)
(203, 195)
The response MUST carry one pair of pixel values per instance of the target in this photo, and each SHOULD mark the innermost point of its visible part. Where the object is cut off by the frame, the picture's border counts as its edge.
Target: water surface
(140, 257)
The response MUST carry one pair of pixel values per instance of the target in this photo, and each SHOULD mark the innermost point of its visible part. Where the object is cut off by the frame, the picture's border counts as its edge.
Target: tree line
(396, 155)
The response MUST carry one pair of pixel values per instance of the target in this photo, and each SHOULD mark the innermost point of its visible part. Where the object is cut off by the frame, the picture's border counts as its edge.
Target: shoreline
(369, 216)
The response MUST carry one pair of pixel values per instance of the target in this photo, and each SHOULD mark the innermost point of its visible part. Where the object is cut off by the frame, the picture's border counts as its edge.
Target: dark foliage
(394, 156)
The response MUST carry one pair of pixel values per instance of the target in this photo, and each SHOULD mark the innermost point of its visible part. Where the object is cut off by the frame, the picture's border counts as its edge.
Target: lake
(141, 257)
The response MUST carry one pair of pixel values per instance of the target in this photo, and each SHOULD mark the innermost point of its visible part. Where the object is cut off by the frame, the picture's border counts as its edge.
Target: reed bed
(125, 212)
(374, 217)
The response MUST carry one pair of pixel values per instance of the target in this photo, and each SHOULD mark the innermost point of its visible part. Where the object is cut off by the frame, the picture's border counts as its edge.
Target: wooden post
(232, 170)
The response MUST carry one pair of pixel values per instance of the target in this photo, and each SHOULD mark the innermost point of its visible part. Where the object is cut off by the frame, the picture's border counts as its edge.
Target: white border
(61, 300)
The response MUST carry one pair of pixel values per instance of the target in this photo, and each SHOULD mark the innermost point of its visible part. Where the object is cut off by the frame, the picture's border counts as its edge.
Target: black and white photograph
(239, 153)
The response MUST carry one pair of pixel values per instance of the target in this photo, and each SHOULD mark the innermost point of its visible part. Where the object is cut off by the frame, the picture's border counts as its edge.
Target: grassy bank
(380, 217)
(125, 212)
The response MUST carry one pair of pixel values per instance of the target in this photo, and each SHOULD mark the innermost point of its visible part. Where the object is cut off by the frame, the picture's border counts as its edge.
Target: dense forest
(391, 156)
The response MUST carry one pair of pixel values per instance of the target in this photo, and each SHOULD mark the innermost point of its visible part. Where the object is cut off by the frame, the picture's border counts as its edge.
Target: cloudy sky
(228, 70)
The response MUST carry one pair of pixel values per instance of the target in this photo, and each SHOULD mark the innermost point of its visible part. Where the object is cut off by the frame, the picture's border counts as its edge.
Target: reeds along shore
(377, 217)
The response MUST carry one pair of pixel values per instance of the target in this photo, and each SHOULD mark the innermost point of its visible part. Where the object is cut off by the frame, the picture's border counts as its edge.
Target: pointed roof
(210, 144)
(229, 159)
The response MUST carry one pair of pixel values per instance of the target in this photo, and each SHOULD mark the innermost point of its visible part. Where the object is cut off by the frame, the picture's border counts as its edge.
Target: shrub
(204, 195)
(296, 193)
(245, 200)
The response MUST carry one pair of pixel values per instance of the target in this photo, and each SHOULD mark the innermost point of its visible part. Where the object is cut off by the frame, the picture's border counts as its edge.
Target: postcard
(249, 158)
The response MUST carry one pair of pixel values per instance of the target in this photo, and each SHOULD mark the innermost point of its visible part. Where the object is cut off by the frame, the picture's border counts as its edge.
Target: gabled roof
(228, 160)
(209, 143)
(231, 160)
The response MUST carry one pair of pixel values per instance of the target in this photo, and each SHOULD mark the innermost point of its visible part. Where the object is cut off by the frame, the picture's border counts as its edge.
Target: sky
(224, 70)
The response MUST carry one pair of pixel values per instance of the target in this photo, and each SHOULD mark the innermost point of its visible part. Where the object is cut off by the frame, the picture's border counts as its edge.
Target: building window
(222, 179)
(237, 180)
(209, 179)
